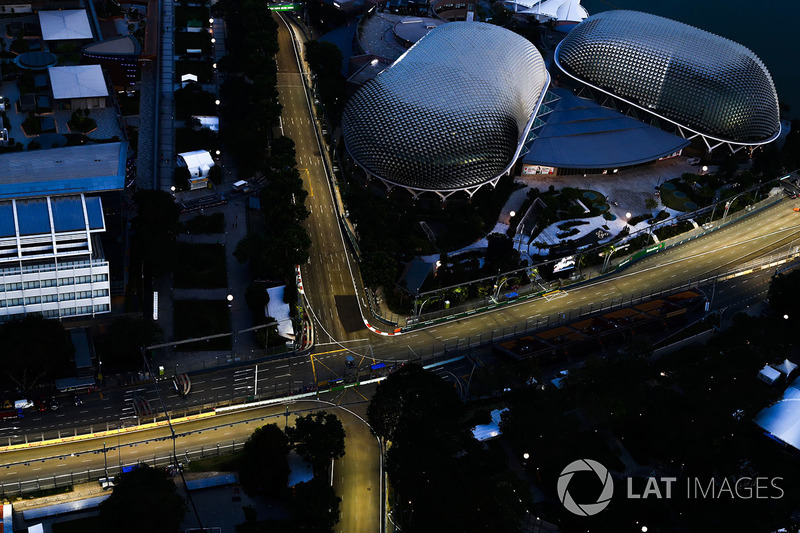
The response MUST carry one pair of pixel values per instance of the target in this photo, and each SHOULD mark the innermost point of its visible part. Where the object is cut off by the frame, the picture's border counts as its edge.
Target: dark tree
(410, 396)
(264, 468)
(314, 506)
(120, 346)
(34, 349)
(215, 175)
(257, 299)
(144, 499)
(155, 227)
(443, 480)
(181, 178)
(378, 268)
(319, 438)
(784, 292)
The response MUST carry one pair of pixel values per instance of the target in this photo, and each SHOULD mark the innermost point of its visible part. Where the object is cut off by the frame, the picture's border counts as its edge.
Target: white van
(241, 185)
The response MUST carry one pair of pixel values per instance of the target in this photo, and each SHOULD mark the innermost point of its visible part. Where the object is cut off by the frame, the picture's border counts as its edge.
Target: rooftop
(80, 81)
(124, 45)
(87, 168)
(65, 24)
(579, 133)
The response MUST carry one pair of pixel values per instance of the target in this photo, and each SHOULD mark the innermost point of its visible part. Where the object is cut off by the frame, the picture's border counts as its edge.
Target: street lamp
(230, 300)
(216, 102)
(512, 214)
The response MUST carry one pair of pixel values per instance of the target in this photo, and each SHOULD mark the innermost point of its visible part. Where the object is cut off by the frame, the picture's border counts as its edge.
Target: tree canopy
(35, 349)
(442, 478)
(155, 226)
(319, 438)
(264, 468)
(144, 499)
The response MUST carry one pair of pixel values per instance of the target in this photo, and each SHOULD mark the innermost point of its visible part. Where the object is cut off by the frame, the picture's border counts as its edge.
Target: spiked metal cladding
(699, 81)
(451, 113)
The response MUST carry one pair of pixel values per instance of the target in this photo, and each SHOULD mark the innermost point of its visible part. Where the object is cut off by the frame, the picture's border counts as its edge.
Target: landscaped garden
(201, 318)
(81, 121)
(200, 266)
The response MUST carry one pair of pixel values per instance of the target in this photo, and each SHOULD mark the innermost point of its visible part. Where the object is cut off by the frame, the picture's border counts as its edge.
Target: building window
(33, 300)
(65, 296)
(100, 277)
(49, 282)
(100, 308)
(66, 281)
(31, 284)
(100, 292)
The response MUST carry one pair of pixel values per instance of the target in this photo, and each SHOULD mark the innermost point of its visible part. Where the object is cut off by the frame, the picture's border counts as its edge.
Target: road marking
(218, 388)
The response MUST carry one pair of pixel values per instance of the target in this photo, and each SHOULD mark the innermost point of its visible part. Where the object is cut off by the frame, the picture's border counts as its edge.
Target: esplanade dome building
(451, 115)
(699, 83)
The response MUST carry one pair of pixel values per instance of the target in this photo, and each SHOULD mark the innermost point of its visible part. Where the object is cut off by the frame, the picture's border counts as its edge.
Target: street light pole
(105, 460)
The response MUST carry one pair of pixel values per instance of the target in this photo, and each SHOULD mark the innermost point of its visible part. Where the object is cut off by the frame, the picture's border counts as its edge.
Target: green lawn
(680, 196)
(200, 266)
(200, 318)
(226, 462)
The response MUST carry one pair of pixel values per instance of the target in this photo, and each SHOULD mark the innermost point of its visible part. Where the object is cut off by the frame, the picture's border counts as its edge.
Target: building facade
(51, 260)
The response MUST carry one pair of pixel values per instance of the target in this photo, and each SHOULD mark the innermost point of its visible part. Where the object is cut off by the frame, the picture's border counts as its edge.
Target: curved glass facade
(449, 114)
(693, 78)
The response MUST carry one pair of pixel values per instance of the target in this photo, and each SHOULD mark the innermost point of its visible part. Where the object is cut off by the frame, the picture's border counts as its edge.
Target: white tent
(782, 419)
(277, 309)
(483, 432)
(786, 368)
(769, 375)
(198, 162)
(544, 10)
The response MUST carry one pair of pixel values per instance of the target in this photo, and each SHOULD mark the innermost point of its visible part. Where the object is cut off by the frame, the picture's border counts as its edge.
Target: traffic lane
(130, 446)
(699, 258)
(329, 255)
(112, 408)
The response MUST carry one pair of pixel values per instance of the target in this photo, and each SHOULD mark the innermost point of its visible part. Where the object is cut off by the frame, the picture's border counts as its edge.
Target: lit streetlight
(230, 300)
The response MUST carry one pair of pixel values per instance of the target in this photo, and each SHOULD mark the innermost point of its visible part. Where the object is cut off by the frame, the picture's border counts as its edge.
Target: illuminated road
(328, 277)
(356, 475)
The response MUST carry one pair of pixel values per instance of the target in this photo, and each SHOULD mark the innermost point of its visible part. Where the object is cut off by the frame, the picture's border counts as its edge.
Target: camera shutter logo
(585, 509)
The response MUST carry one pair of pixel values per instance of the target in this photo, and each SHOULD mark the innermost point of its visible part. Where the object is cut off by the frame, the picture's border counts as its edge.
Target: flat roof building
(65, 24)
(73, 169)
(701, 84)
(83, 85)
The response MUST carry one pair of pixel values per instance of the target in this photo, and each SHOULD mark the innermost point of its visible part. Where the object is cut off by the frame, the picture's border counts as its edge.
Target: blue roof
(68, 213)
(415, 274)
(33, 216)
(94, 210)
(7, 220)
(580, 133)
(73, 169)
